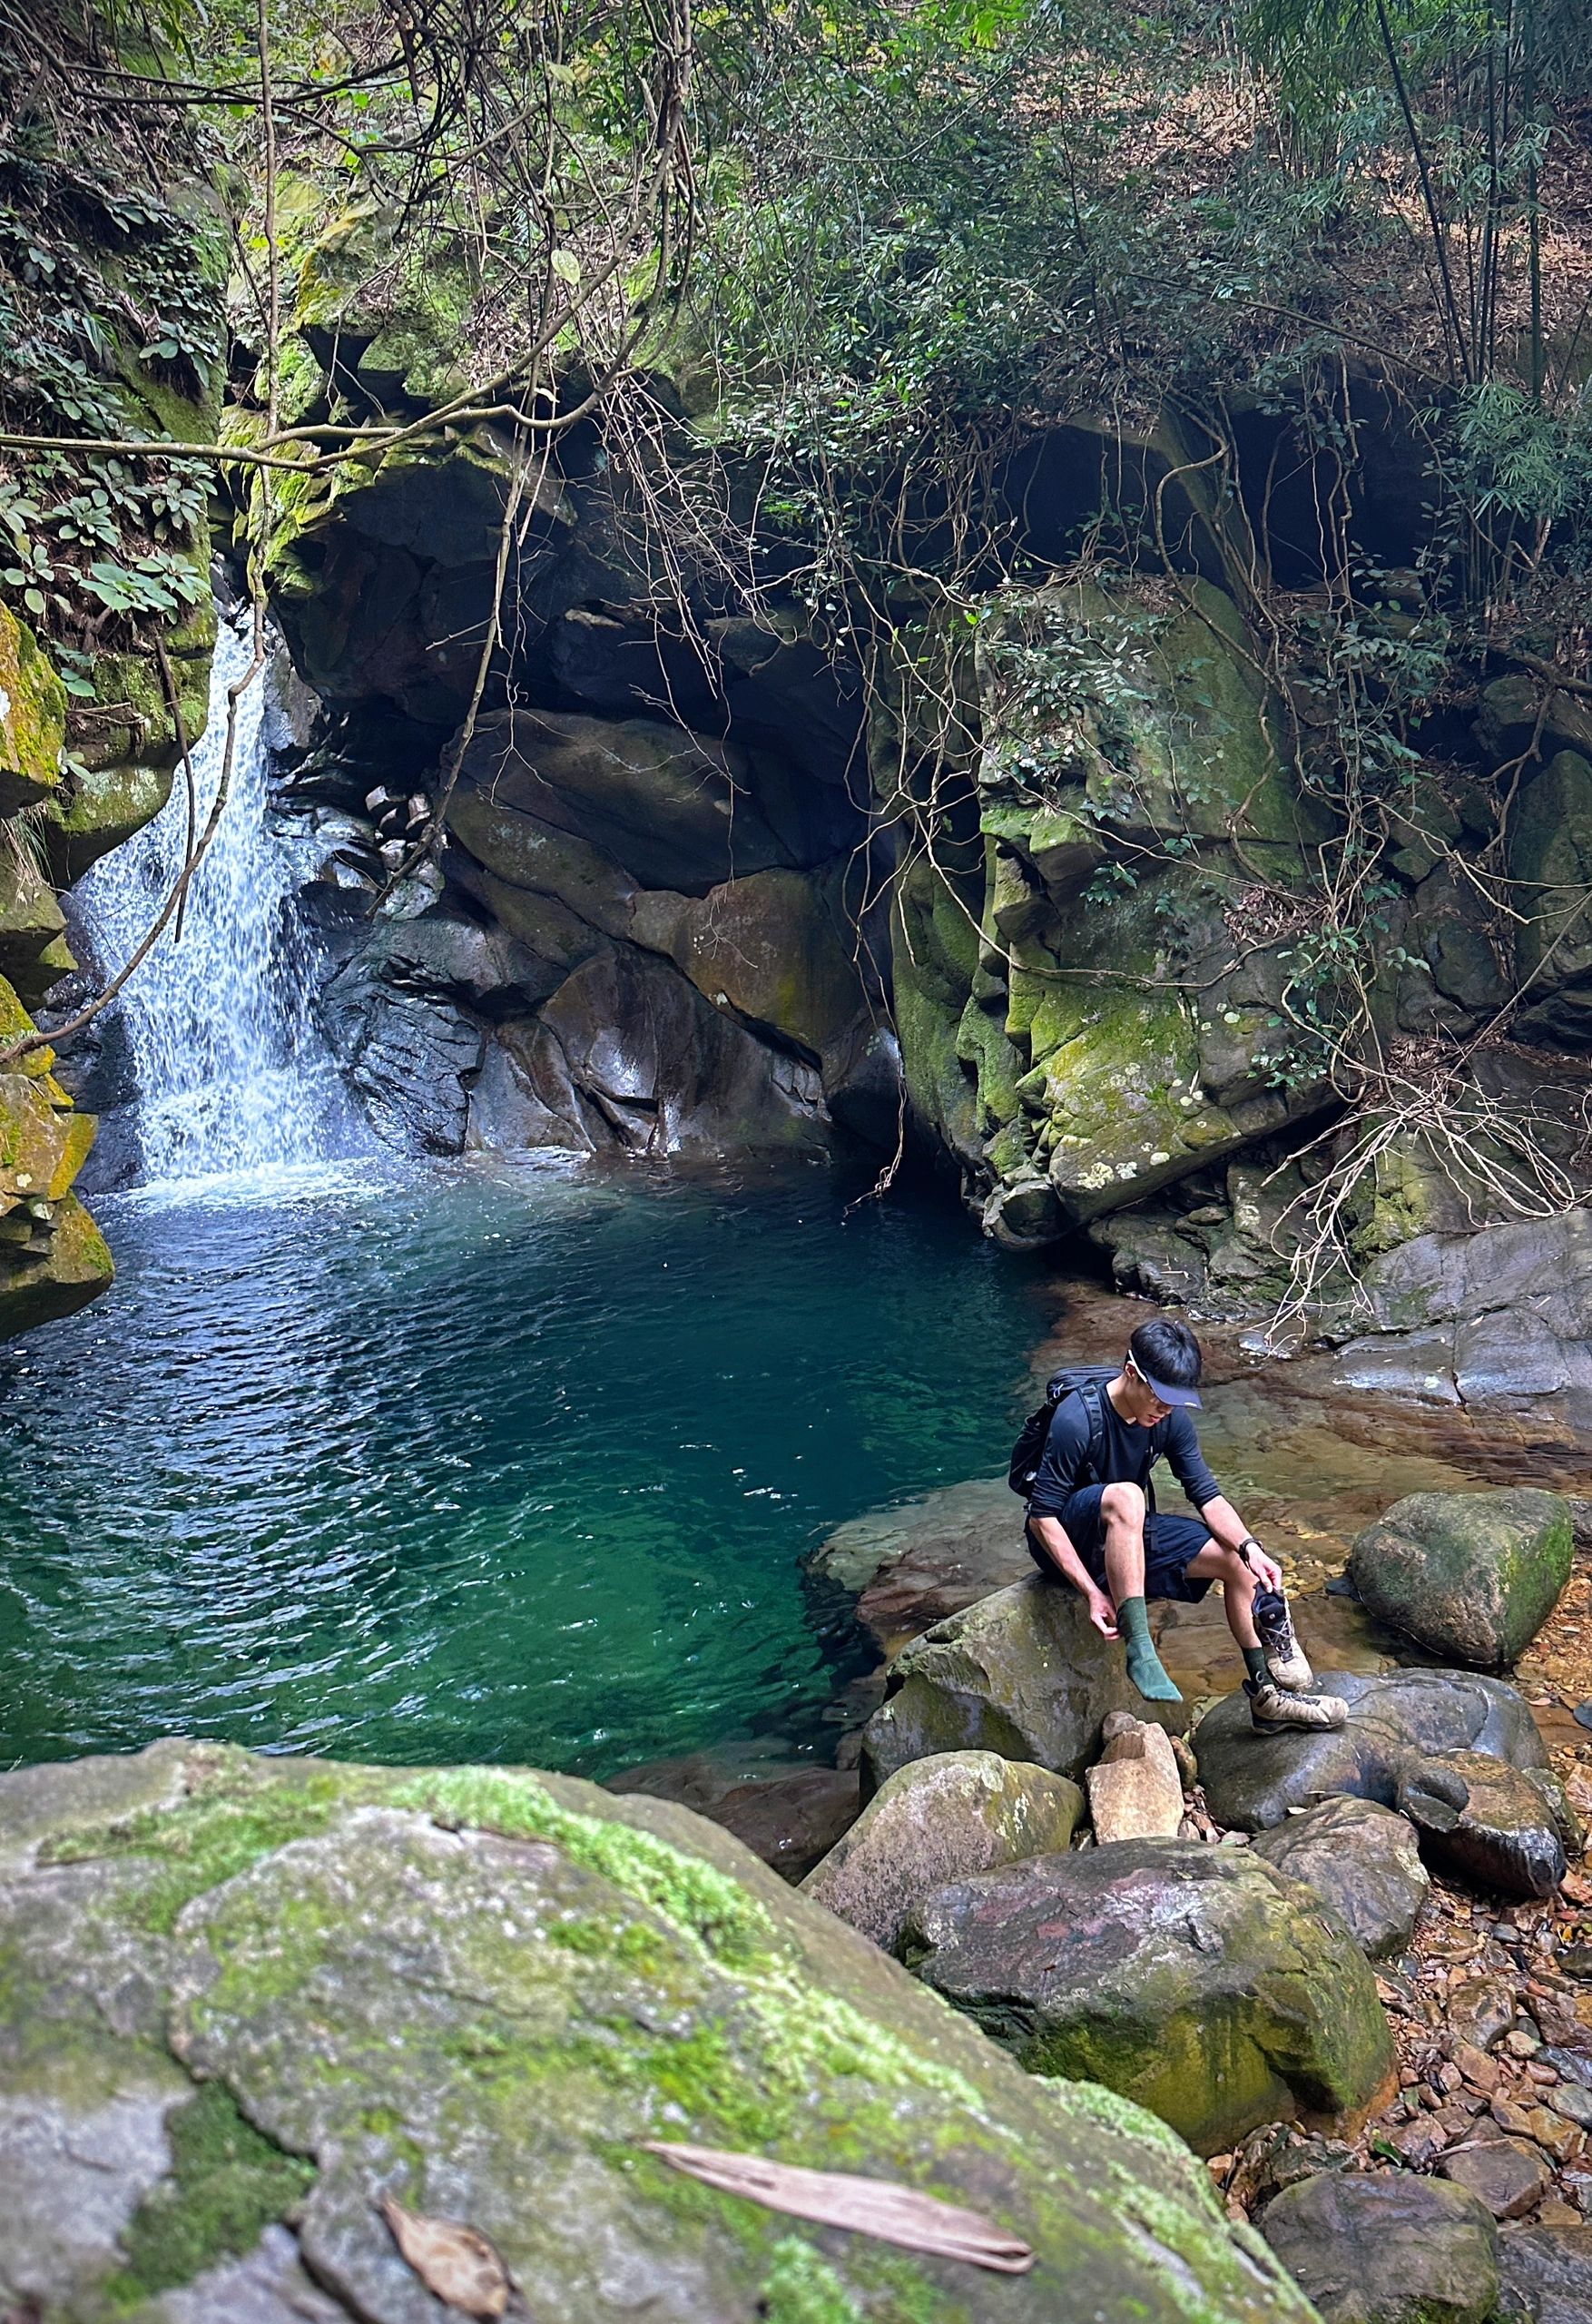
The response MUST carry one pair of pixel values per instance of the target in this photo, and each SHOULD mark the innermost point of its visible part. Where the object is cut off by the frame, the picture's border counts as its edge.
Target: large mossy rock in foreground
(1396, 1722)
(936, 1820)
(1472, 1577)
(1197, 1981)
(243, 1990)
(1023, 1673)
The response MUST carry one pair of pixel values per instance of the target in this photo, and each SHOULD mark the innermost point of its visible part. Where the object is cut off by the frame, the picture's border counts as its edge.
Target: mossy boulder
(1550, 856)
(936, 1820)
(32, 718)
(1023, 1673)
(1504, 1828)
(1362, 1860)
(1472, 1577)
(53, 1258)
(1387, 2251)
(1397, 1721)
(1199, 1982)
(304, 1984)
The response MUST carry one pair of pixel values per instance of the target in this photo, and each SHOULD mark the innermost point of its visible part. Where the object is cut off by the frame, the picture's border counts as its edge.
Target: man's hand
(1102, 1613)
(1266, 1570)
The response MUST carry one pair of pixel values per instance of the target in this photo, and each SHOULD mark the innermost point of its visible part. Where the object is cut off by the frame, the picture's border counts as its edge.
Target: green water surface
(492, 1460)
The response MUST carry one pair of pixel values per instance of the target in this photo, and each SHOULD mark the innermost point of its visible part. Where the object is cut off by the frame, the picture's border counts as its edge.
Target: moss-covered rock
(936, 1820)
(1022, 1673)
(32, 718)
(1197, 1981)
(1472, 1577)
(53, 1258)
(482, 1990)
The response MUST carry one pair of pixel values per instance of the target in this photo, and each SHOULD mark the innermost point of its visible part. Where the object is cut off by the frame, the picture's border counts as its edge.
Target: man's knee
(1122, 1504)
(1237, 1576)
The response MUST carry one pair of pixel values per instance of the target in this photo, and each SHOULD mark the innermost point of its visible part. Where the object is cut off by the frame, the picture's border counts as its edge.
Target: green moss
(227, 2184)
(711, 1906)
(234, 1817)
(801, 2288)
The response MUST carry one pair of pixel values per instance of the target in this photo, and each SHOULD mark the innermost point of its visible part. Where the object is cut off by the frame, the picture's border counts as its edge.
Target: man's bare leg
(1213, 1563)
(1122, 1510)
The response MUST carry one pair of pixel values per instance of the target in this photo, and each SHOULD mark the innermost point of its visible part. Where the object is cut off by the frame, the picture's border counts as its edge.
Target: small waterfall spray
(232, 1073)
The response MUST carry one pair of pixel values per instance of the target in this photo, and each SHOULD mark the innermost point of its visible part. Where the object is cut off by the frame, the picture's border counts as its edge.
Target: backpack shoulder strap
(1090, 1395)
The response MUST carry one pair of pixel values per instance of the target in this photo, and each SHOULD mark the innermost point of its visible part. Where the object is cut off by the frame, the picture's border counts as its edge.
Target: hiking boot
(1285, 1657)
(1272, 1707)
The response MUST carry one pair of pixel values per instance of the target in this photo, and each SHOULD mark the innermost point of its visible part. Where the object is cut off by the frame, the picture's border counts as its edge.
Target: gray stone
(919, 1562)
(269, 2287)
(1023, 1673)
(1504, 1315)
(1395, 2251)
(1135, 1787)
(1198, 1981)
(1509, 2176)
(1361, 1859)
(1546, 2275)
(1396, 1721)
(483, 1989)
(935, 1820)
(1472, 1577)
(1502, 1827)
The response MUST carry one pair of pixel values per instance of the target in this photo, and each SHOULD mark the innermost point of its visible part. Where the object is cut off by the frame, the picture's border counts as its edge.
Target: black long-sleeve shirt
(1127, 1455)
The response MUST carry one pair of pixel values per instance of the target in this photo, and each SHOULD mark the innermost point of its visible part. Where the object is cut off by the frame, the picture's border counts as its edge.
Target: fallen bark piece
(868, 2206)
(459, 2265)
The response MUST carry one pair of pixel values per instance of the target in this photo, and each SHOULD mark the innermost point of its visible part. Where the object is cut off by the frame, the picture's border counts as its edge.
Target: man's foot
(1272, 1708)
(1285, 1657)
(1144, 1667)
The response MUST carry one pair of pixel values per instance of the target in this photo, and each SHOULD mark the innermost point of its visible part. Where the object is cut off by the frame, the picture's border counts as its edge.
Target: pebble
(1557, 2214)
(1583, 1714)
(1479, 2071)
(1522, 2044)
(1573, 2099)
(1573, 2066)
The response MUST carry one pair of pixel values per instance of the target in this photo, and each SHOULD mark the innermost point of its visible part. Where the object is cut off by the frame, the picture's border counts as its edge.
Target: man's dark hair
(1166, 1350)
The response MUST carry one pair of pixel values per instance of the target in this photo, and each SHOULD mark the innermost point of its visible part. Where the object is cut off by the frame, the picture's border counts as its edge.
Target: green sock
(1143, 1664)
(1255, 1661)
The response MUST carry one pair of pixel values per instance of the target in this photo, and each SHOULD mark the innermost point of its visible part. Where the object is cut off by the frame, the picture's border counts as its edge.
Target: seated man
(1091, 1520)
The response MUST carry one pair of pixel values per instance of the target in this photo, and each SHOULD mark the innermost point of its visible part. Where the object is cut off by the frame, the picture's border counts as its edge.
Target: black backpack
(1085, 1380)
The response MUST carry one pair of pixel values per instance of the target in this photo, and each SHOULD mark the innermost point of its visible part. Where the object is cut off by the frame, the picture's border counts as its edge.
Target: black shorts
(1170, 1542)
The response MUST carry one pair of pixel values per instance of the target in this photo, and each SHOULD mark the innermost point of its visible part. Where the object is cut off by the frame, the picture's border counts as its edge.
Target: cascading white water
(232, 1073)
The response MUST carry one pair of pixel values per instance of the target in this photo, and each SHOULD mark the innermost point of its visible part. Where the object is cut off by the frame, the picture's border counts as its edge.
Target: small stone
(1522, 2044)
(1480, 2011)
(1510, 2177)
(1573, 2099)
(1479, 2071)
(1583, 1714)
(1557, 2214)
(1573, 2066)
(1418, 2142)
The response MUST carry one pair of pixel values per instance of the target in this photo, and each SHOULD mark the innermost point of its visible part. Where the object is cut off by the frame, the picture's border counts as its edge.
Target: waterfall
(232, 1072)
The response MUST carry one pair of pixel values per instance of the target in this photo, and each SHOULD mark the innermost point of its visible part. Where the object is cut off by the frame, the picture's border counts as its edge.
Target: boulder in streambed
(936, 1820)
(1546, 2275)
(1198, 1981)
(1023, 1673)
(1472, 1577)
(246, 1996)
(1362, 1860)
(1505, 1828)
(1396, 1720)
(1395, 2251)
